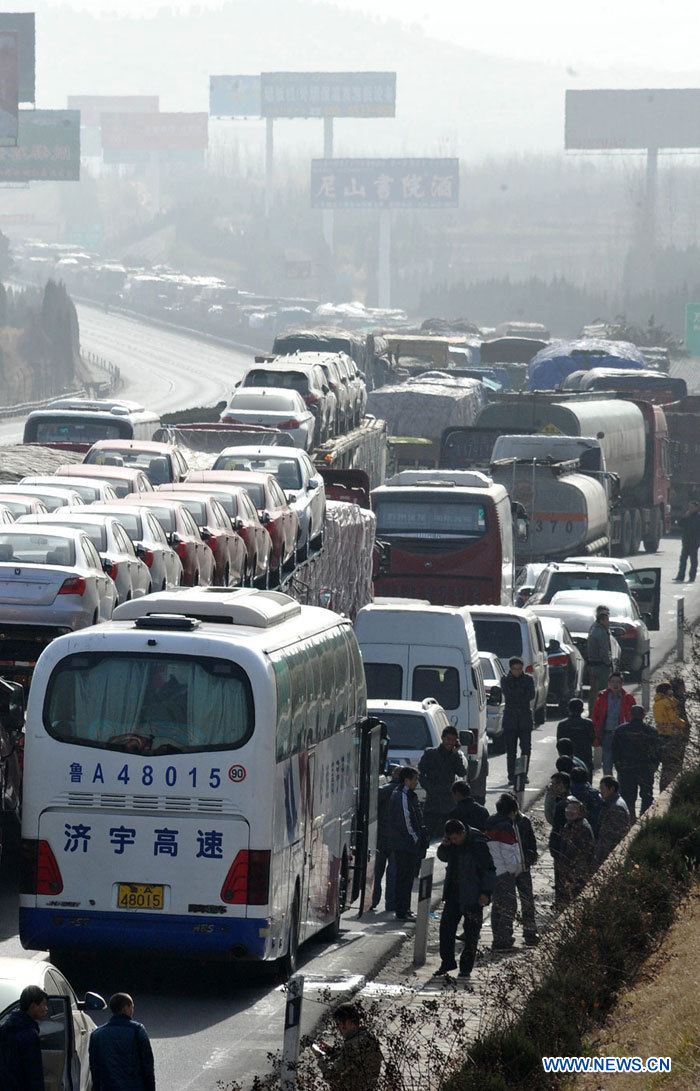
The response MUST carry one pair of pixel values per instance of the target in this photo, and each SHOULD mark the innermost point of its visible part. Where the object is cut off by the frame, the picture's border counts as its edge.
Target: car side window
(91, 555)
(189, 523)
(222, 519)
(155, 529)
(124, 541)
(277, 495)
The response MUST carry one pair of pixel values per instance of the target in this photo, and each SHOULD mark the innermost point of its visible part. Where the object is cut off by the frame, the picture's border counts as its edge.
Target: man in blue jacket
(20, 1048)
(469, 882)
(407, 839)
(120, 1052)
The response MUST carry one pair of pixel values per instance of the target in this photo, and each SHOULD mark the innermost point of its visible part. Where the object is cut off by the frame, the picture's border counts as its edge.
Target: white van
(508, 631)
(413, 652)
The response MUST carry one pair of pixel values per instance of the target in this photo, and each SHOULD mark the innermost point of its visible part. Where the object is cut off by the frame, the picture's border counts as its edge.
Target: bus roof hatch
(259, 609)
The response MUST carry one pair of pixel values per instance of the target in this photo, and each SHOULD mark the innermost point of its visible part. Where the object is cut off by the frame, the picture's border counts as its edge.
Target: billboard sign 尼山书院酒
(633, 120)
(692, 328)
(384, 183)
(48, 148)
(9, 89)
(328, 94)
(92, 106)
(23, 24)
(155, 132)
(234, 96)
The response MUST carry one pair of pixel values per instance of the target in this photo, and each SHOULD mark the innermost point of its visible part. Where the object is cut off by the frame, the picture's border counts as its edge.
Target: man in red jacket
(611, 708)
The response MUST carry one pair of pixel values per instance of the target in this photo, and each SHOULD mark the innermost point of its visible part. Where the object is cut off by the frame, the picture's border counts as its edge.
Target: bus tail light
(248, 879)
(40, 873)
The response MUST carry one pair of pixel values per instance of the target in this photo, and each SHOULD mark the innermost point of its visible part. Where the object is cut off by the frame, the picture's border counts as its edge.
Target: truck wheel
(651, 542)
(636, 531)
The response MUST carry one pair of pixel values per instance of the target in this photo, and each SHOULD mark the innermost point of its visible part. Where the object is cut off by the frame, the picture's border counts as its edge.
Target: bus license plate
(139, 896)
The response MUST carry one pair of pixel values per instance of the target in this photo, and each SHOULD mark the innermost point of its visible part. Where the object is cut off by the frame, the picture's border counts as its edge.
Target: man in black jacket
(407, 839)
(438, 768)
(466, 809)
(382, 858)
(690, 542)
(20, 1048)
(469, 882)
(120, 1052)
(518, 691)
(636, 752)
(580, 730)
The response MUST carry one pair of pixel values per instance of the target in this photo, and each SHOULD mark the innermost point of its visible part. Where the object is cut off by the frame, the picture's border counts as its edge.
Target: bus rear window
(149, 704)
(384, 680)
(442, 683)
(503, 638)
(430, 516)
(74, 430)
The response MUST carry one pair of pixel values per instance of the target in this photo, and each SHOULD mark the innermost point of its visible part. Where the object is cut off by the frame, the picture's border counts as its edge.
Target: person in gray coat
(598, 654)
(469, 882)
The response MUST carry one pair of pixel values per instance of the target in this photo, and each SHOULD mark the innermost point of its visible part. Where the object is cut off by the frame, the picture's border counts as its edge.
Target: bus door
(311, 825)
(373, 750)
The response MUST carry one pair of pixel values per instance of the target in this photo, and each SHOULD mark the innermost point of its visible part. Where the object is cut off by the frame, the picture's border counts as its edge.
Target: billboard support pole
(269, 164)
(384, 279)
(328, 154)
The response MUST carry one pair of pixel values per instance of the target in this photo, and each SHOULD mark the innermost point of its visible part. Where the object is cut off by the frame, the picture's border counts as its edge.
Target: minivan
(509, 631)
(413, 652)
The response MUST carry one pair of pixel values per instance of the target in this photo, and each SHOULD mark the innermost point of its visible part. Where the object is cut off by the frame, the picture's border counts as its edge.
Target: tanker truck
(626, 453)
(684, 435)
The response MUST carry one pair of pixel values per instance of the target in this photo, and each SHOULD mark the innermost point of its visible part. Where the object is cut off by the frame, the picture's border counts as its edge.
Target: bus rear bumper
(237, 938)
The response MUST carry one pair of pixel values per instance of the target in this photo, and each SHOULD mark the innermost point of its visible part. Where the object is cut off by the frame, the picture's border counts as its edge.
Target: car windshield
(17, 507)
(407, 730)
(153, 465)
(96, 532)
(149, 704)
(586, 581)
(501, 636)
(291, 380)
(261, 402)
(285, 469)
(36, 549)
(422, 516)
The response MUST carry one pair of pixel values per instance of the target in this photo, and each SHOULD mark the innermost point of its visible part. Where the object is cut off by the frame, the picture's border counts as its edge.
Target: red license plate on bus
(140, 896)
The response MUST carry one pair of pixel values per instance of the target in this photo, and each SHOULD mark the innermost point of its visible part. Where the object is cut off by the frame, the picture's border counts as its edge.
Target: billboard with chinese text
(651, 118)
(234, 96)
(328, 94)
(48, 148)
(22, 23)
(9, 89)
(155, 132)
(384, 183)
(92, 106)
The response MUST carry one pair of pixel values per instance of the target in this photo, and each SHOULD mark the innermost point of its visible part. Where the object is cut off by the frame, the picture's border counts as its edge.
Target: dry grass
(659, 1016)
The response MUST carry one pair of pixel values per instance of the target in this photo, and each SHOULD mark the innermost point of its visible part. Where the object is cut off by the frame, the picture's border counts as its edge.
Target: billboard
(234, 96)
(9, 102)
(48, 148)
(384, 183)
(154, 132)
(692, 328)
(23, 25)
(91, 106)
(651, 118)
(328, 94)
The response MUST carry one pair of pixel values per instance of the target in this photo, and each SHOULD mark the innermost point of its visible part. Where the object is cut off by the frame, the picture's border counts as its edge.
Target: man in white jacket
(506, 853)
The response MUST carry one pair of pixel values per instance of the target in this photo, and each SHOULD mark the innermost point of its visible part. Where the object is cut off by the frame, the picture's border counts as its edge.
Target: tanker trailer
(684, 435)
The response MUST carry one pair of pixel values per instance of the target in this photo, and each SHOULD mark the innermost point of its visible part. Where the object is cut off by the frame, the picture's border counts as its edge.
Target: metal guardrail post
(522, 764)
(425, 891)
(680, 628)
(646, 683)
(292, 1032)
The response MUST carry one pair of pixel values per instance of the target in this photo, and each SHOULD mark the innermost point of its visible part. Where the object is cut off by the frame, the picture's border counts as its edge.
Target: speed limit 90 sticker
(237, 773)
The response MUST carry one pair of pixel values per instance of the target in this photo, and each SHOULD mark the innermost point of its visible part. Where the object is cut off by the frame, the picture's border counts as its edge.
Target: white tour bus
(80, 422)
(200, 779)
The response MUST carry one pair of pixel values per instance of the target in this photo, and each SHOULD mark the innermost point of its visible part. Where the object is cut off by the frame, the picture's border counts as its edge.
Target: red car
(245, 519)
(183, 535)
(229, 549)
(280, 522)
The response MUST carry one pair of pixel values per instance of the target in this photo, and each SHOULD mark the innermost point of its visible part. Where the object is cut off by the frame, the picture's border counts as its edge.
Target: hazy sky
(657, 33)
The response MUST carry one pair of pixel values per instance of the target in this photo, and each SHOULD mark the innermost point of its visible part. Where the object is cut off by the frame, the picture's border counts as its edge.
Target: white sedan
(88, 491)
(273, 407)
(64, 1034)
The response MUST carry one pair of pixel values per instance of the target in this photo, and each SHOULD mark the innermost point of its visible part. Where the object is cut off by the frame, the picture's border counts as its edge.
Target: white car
(131, 576)
(149, 541)
(412, 726)
(88, 491)
(273, 407)
(64, 1035)
(493, 672)
(52, 576)
(298, 477)
(52, 496)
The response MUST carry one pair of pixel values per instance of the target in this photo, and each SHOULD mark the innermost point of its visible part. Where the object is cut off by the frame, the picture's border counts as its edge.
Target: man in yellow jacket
(671, 727)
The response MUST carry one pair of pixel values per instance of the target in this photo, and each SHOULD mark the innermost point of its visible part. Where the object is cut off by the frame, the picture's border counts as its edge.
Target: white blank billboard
(645, 118)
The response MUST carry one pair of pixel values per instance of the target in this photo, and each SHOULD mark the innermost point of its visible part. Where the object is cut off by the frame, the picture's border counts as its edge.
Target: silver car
(52, 576)
(149, 541)
(64, 1035)
(493, 672)
(273, 408)
(88, 491)
(132, 578)
(54, 496)
(297, 476)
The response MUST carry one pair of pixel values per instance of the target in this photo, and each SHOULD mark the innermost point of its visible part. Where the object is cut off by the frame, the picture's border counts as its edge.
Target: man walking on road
(120, 1052)
(612, 708)
(469, 883)
(438, 769)
(690, 542)
(518, 690)
(20, 1048)
(407, 839)
(598, 655)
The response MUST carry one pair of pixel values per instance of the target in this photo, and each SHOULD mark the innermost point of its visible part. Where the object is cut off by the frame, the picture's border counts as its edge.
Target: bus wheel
(288, 962)
(332, 930)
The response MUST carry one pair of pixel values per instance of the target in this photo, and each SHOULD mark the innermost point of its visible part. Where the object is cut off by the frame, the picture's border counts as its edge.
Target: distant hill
(450, 100)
